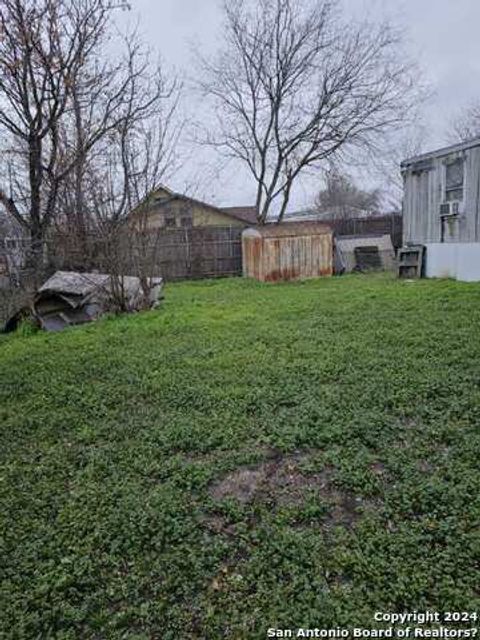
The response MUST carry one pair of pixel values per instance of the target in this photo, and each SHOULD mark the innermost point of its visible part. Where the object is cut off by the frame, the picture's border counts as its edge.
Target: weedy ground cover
(247, 456)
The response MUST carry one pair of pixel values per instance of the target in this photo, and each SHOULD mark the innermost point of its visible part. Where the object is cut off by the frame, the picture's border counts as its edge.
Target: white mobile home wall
(453, 260)
(452, 243)
(423, 194)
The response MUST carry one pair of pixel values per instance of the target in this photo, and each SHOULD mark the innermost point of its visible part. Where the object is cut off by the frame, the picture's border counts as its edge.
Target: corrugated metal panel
(270, 258)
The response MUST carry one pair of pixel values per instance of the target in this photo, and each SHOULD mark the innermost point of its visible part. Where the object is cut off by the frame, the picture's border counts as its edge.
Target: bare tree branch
(466, 124)
(71, 117)
(295, 85)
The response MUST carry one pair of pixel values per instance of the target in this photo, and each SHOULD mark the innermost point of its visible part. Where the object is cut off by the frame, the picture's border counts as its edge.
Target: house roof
(244, 214)
(173, 195)
(247, 214)
(287, 229)
(443, 151)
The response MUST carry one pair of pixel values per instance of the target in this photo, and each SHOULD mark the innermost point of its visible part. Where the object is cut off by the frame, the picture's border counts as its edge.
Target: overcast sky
(442, 37)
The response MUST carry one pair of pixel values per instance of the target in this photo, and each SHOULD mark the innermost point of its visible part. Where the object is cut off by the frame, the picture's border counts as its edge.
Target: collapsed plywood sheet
(70, 298)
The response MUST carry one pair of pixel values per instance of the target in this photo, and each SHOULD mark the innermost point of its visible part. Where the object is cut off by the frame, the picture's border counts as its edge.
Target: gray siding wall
(422, 197)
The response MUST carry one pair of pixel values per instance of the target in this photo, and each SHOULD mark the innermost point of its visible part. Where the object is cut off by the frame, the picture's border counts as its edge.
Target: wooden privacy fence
(174, 254)
(389, 224)
(199, 252)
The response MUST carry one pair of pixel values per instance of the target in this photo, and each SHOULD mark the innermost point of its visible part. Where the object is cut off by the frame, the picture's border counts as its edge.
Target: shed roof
(246, 213)
(443, 151)
(288, 229)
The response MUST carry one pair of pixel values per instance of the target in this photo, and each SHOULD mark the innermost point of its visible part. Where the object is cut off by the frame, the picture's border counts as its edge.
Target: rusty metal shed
(287, 251)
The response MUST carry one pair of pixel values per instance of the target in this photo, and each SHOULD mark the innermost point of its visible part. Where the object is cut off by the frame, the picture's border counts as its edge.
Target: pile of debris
(70, 298)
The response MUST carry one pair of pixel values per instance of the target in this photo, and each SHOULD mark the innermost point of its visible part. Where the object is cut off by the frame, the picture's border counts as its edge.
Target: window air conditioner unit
(453, 208)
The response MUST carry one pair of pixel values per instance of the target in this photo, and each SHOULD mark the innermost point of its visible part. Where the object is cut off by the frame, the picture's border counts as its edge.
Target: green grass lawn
(248, 456)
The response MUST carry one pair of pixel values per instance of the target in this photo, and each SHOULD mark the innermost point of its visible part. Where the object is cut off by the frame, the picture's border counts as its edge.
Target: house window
(170, 221)
(454, 177)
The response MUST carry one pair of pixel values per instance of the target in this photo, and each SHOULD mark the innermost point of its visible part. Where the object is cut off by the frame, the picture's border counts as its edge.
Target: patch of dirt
(281, 482)
(279, 478)
(242, 485)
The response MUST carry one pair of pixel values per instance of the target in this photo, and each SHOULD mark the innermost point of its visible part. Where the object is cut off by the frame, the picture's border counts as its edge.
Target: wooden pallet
(410, 261)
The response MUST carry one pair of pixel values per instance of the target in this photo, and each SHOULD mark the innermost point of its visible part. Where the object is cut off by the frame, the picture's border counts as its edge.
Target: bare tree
(119, 155)
(294, 85)
(384, 166)
(466, 125)
(63, 102)
(118, 182)
(342, 199)
(43, 46)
